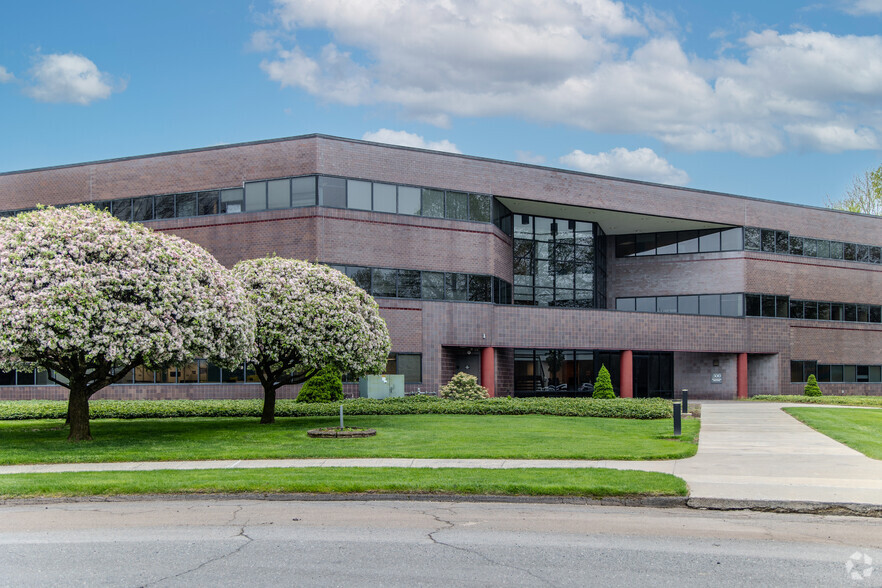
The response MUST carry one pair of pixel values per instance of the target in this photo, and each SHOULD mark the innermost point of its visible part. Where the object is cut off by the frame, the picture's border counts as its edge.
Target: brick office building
(526, 276)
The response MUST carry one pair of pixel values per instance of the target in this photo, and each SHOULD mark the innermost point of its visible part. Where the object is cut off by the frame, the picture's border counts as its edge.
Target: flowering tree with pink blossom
(309, 316)
(89, 297)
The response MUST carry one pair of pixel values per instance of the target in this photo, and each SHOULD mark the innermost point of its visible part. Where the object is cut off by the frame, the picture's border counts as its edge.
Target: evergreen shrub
(325, 386)
(603, 387)
(811, 387)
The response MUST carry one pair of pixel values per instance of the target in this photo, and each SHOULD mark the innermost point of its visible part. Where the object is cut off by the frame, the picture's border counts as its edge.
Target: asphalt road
(238, 542)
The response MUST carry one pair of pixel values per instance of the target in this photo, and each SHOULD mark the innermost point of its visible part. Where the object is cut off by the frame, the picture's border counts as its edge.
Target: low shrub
(826, 399)
(603, 387)
(811, 386)
(627, 408)
(325, 386)
(463, 386)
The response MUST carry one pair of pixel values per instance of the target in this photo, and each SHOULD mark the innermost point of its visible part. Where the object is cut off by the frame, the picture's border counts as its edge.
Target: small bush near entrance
(325, 386)
(603, 387)
(463, 386)
(811, 387)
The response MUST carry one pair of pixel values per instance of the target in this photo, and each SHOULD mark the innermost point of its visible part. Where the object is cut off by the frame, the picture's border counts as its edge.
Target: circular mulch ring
(338, 433)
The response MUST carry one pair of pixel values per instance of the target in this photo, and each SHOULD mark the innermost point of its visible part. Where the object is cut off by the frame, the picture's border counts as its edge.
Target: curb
(642, 501)
(785, 506)
(721, 504)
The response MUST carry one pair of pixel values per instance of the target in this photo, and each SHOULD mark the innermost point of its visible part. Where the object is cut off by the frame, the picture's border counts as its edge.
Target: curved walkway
(748, 451)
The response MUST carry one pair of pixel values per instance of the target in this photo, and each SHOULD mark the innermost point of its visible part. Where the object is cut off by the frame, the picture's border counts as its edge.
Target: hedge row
(840, 400)
(652, 408)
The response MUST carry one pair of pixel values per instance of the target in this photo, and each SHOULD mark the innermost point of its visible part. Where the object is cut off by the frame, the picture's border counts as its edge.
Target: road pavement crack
(241, 533)
(450, 525)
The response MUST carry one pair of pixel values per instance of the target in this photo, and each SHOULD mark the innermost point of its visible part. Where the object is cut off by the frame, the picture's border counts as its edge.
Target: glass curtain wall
(561, 372)
(558, 262)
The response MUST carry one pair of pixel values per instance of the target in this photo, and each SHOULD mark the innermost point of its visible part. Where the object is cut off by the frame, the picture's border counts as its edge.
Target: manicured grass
(427, 436)
(834, 400)
(531, 482)
(858, 428)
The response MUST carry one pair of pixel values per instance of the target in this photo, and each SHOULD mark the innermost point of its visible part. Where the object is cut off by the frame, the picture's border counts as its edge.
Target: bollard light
(341, 417)
(677, 427)
(685, 400)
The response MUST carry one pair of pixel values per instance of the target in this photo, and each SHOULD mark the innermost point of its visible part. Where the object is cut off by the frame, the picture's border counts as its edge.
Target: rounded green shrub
(603, 387)
(811, 386)
(325, 386)
(462, 386)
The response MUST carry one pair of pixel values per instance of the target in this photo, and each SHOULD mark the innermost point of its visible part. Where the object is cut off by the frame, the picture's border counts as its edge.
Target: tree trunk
(78, 413)
(269, 405)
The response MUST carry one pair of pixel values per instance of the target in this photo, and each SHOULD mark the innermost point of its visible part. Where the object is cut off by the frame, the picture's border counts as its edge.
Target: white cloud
(598, 65)
(409, 140)
(70, 78)
(639, 164)
(861, 7)
(5, 75)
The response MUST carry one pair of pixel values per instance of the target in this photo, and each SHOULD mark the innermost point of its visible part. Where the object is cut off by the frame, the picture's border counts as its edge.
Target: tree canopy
(864, 195)
(90, 297)
(309, 316)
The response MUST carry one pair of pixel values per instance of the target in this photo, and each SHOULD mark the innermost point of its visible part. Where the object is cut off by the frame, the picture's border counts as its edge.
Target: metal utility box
(386, 386)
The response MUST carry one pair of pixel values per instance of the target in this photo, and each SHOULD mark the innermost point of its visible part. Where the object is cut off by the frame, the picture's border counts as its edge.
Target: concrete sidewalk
(748, 451)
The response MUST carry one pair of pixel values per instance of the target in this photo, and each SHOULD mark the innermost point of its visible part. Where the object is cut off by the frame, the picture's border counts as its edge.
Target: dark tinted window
(456, 287)
(432, 203)
(409, 284)
(752, 240)
(164, 206)
(208, 202)
(457, 205)
(768, 241)
(122, 209)
(752, 305)
(186, 204)
(303, 191)
(479, 208)
(384, 282)
(332, 192)
(782, 241)
(361, 276)
(433, 285)
(479, 288)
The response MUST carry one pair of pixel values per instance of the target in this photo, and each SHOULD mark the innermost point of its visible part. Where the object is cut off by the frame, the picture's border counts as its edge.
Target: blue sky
(779, 100)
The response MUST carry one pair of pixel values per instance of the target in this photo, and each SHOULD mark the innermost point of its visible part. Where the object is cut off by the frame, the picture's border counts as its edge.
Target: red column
(742, 375)
(626, 375)
(488, 369)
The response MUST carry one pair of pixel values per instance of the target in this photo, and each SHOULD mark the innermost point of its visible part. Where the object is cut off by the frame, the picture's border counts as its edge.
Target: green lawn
(860, 429)
(531, 482)
(427, 436)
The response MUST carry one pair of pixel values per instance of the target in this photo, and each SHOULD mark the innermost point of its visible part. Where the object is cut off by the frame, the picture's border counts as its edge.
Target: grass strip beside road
(875, 401)
(591, 482)
(413, 436)
(858, 428)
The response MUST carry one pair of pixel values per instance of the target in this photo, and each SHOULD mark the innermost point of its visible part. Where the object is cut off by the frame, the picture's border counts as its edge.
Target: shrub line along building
(528, 277)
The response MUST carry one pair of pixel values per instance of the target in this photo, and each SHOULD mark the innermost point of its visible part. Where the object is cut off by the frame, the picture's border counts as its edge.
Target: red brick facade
(353, 237)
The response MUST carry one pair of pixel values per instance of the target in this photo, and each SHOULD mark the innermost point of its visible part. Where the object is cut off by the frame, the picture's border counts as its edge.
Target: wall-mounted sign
(716, 377)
